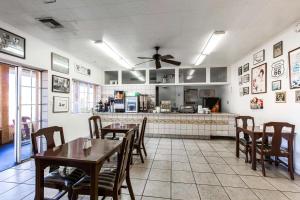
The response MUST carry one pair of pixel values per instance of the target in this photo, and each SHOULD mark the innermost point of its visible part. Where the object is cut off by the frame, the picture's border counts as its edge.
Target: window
(218, 74)
(85, 96)
(134, 77)
(192, 75)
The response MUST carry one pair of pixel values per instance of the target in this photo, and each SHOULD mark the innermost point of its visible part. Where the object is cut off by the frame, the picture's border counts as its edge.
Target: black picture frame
(5, 36)
(259, 57)
(273, 85)
(246, 91)
(294, 83)
(56, 99)
(63, 61)
(246, 67)
(240, 70)
(278, 49)
(60, 84)
(254, 75)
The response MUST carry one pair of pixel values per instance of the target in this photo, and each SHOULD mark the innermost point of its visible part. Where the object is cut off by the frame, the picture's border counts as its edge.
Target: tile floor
(180, 169)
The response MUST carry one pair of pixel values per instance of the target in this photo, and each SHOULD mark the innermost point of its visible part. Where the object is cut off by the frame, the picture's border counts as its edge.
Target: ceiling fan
(159, 58)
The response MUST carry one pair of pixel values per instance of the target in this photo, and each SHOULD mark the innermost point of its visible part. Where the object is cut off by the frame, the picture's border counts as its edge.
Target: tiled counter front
(178, 125)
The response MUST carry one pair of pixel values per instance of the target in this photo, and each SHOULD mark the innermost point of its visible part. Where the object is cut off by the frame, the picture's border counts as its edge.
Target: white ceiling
(134, 27)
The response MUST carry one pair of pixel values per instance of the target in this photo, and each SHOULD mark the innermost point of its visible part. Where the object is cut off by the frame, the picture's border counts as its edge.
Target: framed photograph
(12, 44)
(241, 92)
(240, 71)
(240, 80)
(59, 63)
(82, 70)
(256, 103)
(276, 85)
(246, 78)
(246, 67)
(280, 97)
(259, 57)
(245, 91)
(277, 49)
(60, 84)
(277, 69)
(294, 68)
(60, 104)
(259, 79)
(297, 96)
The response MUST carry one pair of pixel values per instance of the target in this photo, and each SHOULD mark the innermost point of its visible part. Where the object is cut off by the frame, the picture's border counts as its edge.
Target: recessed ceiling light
(49, 1)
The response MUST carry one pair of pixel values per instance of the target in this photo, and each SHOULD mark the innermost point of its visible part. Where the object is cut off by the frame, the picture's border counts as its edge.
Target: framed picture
(246, 78)
(259, 57)
(256, 103)
(245, 91)
(60, 84)
(246, 67)
(277, 49)
(297, 96)
(241, 92)
(280, 97)
(240, 71)
(276, 85)
(259, 79)
(82, 70)
(240, 80)
(60, 104)
(59, 63)
(294, 68)
(12, 44)
(277, 69)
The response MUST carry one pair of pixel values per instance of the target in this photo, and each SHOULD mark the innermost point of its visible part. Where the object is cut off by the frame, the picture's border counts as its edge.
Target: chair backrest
(142, 134)
(124, 158)
(95, 125)
(245, 120)
(277, 135)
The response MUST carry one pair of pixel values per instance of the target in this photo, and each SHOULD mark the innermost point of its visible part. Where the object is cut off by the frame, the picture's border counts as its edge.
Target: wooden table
(255, 135)
(72, 154)
(119, 128)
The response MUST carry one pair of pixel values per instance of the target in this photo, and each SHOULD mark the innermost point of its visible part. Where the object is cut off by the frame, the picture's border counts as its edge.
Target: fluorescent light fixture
(138, 75)
(191, 72)
(189, 77)
(111, 52)
(210, 45)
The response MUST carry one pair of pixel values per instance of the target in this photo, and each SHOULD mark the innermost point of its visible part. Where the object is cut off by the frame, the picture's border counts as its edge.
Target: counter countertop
(172, 113)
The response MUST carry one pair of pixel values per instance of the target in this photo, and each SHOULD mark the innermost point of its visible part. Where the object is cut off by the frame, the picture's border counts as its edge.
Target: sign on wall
(277, 69)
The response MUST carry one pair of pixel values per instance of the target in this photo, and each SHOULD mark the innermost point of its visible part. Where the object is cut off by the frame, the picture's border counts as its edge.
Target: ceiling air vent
(50, 22)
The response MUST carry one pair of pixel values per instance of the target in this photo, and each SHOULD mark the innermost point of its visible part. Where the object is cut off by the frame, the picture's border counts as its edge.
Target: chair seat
(268, 149)
(244, 141)
(54, 179)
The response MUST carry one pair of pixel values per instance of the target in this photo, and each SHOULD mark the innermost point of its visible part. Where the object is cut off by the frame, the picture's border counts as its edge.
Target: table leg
(94, 182)
(237, 143)
(253, 151)
(102, 134)
(39, 181)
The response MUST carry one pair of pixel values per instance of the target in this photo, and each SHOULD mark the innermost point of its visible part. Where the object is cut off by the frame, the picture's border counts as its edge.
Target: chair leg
(291, 166)
(276, 161)
(144, 149)
(116, 196)
(74, 196)
(246, 153)
(141, 155)
(263, 165)
(250, 154)
(128, 182)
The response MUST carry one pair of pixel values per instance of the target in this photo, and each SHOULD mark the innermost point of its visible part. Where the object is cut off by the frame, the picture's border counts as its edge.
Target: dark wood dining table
(256, 134)
(119, 128)
(72, 154)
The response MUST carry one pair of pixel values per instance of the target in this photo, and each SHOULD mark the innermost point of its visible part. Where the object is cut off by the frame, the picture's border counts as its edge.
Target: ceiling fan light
(213, 41)
(200, 59)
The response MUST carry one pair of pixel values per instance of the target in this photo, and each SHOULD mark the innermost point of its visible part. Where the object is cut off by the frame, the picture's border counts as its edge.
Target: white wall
(290, 111)
(38, 55)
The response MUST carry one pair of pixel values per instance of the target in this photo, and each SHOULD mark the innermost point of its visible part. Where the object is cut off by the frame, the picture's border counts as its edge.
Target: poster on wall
(60, 104)
(82, 70)
(60, 84)
(240, 71)
(256, 103)
(246, 78)
(277, 49)
(259, 79)
(259, 57)
(12, 44)
(294, 68)
(59, 63)
(240, 80)
(245, 91)
(277, 69)
(276, 85)
(297, 96)
(246, 67)
(280, 97)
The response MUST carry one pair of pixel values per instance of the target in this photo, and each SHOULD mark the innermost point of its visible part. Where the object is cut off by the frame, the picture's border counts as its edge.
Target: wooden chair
(245, 140)
(273, 148)
(110, 182)
(95, 125)
(54, 180)
(139, 143)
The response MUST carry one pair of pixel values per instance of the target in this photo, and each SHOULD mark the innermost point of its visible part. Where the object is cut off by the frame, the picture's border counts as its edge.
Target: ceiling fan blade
(167, 57)
(144, 58)
(143, 62)
(157, 64)
(173, 62)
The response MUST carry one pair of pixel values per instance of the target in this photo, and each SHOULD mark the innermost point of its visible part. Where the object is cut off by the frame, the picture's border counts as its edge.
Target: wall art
(256, 103)
(246, 67)
(60, 84)
(240, 71)
(12, 44)
(277, 69)
(259, 79)
(241, 92)
(277, 49)
(259, 57)
(280, 97)
(276, 85)
(240, 80)
(60, 104)
(294, 68)
(59, 63)
(82, 70)
(297, 96)
(246, 78)
(245, 91)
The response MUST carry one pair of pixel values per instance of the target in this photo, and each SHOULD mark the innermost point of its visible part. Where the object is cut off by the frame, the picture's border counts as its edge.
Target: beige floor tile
(139, 172)
(215, 160)
(292, 195)
(166, 157)
(4, 187)
(146, 164)
(161, 164)
(208, 192)
(267, 195)
(231, 180)
(257, 183)
(234, 161)
(197, 159)
(283, 184)
(185, 191)
(182, 166)
(201, 167)
(210, 153)
(225, 154)
(182, 177)
(160, 175)
(180, 158)
(240, 194)
(138, 186)
(245, 170)
(17, 193)
(206, 179)
(178, 152)
(158, 189)
(221, 169)
(153, 198)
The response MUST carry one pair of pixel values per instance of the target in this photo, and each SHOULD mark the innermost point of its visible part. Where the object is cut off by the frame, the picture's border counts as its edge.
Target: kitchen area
(178, 102)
